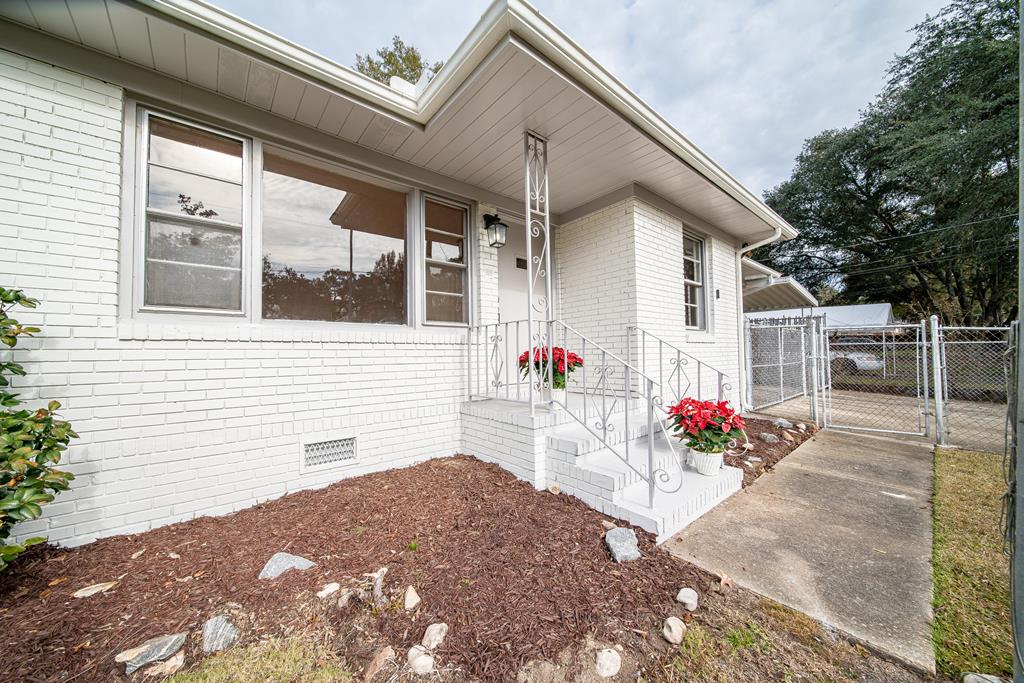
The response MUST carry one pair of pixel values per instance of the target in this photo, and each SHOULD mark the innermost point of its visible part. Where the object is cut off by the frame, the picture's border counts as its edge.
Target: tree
(401, 60)
(916, 203)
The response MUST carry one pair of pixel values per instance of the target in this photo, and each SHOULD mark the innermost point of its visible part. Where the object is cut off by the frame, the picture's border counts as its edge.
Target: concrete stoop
(582, 466)
(553, 447)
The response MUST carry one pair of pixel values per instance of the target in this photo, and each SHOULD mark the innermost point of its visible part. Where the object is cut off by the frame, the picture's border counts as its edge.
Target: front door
(513, 272)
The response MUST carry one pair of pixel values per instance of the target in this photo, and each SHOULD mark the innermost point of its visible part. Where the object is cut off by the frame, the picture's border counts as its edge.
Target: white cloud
(746, 80)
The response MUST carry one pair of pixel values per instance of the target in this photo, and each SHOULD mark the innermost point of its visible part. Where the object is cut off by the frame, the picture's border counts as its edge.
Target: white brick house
(261, 271)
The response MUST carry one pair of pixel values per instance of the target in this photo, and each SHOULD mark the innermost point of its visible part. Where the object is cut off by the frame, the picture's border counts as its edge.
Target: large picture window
(194, 205)
(444, 234)
(693, 283)
(333, 246)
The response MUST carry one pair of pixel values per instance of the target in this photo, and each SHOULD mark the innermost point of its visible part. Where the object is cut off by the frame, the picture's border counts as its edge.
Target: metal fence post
(940, 422)
(924, 358)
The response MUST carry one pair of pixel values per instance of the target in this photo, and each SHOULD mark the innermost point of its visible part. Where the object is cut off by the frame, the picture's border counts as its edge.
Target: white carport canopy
(854, 315)
(462, 131)
(765, 289)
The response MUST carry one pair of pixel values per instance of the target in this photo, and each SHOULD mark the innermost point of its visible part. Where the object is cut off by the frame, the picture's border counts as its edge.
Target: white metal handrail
(677, 380)
(603, 384)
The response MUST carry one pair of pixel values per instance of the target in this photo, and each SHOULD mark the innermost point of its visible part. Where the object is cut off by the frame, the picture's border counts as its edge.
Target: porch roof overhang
(514, 71)
(766, 289)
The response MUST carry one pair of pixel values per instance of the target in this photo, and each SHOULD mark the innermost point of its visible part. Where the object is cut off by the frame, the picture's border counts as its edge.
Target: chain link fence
(944, 382)
(974, 373)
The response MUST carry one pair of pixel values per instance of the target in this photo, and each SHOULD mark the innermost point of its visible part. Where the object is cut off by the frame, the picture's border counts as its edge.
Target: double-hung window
(195, 209)
(694, 299)
(445, 239)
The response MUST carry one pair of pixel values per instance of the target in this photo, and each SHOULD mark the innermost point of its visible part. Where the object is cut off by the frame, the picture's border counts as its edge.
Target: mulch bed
(770, 453)
(517, 574)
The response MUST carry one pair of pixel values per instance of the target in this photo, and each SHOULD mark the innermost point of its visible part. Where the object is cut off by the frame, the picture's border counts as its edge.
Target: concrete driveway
(840, 530)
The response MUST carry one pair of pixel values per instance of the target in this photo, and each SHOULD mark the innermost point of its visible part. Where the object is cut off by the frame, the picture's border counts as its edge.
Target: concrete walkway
(841, 530)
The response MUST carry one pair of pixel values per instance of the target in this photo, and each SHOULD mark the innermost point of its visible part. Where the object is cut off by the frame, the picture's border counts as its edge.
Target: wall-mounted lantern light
(496, 230)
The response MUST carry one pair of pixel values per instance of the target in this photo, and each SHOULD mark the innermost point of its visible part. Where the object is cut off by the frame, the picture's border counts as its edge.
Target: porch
(604, 438)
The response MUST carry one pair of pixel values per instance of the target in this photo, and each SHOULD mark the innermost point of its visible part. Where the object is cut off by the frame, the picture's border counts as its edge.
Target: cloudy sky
(746, 80)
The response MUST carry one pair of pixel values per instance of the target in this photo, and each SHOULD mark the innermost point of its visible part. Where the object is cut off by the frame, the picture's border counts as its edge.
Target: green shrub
(31, 441)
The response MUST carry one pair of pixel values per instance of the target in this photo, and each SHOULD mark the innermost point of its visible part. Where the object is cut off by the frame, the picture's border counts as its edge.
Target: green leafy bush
(31, 441)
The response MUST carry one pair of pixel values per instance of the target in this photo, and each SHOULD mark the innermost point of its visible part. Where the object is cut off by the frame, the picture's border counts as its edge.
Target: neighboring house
(852, 315)
(765, 289)
(262, 271)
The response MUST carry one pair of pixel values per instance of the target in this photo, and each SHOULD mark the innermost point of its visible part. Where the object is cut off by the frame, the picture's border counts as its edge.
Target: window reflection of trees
(338, 295)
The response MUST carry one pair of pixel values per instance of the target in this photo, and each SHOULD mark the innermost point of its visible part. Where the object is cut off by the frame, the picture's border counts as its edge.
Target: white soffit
(514, 71)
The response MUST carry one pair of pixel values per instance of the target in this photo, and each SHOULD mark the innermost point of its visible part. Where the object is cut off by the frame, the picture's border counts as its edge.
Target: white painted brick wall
(179, 421)
(623, 265)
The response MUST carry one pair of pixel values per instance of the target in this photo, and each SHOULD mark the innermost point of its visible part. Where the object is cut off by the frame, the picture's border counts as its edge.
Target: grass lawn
(972, 580)
(282, 660)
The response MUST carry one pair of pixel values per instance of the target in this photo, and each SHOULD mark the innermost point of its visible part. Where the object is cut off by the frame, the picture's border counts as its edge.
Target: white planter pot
(558, 398)
(708, 464)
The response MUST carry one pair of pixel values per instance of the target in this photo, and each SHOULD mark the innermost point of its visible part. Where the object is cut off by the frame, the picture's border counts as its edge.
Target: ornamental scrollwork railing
(678, 374)
(605, 394)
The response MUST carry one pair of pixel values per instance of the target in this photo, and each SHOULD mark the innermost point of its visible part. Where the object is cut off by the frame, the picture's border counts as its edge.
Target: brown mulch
(517, 574)
(770, 453)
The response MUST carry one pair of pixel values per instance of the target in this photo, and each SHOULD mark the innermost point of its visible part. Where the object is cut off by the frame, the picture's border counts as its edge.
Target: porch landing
(553, 448)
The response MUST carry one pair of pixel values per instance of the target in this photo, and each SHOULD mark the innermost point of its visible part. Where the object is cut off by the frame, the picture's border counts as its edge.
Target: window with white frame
(194, 198)
(228, 224)
(694, 299)
(444, 254)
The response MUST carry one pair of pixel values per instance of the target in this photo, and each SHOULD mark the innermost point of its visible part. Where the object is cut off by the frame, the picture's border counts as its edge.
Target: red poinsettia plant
(563, 363)
(707, 426)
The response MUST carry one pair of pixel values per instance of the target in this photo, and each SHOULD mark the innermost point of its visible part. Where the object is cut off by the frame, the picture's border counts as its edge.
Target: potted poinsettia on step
(562, 365)
(708, 428)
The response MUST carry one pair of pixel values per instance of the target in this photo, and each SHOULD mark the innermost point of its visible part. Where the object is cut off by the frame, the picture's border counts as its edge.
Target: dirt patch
(769, 454)
(518, 575)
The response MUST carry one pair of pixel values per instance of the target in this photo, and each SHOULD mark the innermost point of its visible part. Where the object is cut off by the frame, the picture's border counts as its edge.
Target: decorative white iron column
(539, 332)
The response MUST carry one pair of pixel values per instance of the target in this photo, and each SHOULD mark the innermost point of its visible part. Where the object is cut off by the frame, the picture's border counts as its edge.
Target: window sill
(700, 337)
(318, 333)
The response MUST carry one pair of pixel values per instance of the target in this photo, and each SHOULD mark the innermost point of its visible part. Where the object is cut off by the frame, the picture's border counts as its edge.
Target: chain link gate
(877, 379)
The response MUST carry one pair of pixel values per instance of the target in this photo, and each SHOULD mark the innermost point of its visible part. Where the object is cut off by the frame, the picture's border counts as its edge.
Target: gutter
(740, 318)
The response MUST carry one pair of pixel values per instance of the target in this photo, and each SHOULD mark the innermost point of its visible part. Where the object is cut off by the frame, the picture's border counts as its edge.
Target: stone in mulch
(420, 661)
(673, 630)
(434, 635)
(384, 655)
(981, 678)
(782, 423)
(622, 543)
(688, 597)
(768, 438)
(165, 668)
(412, 598)
(153, 650)
(328, 590)
(279, 563)
(219, 634)
(608, 663)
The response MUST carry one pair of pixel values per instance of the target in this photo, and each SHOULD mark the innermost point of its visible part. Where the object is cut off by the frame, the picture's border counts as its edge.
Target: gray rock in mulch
(219, 634)
(434, 635)
(282, 562)
(608, 663)
(689, 598)
(153, 650)
(982, 678)
(768, 438)
(753, 458)
(673, 630)
(782, 423)
(623, 544)
(419, 660)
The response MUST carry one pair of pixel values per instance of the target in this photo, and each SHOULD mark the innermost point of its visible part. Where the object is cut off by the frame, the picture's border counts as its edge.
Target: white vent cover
(317, 454)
